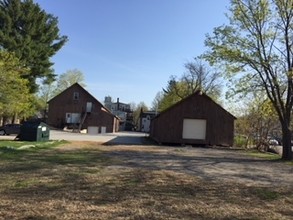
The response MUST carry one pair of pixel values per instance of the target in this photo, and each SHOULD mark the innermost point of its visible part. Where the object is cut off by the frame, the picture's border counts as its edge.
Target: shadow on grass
(232, 167)
(146, 194)
(92, 184)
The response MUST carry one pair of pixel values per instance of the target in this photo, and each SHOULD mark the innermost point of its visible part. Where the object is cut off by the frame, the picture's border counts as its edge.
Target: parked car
(10, 129)
(273, 142)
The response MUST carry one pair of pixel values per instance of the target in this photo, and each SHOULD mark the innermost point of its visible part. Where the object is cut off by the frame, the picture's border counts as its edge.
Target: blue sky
(128, 49)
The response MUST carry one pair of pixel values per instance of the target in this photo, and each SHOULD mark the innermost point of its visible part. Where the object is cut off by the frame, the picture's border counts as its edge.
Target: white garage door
(194, 129)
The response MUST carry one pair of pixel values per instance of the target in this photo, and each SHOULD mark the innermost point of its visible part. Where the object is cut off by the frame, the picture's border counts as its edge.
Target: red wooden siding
(168, 126)
(67, 103)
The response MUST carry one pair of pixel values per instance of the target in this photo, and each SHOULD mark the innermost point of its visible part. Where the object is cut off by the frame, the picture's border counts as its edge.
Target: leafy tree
(171, 94)
(197, 77)
(136, 112)
(46, 92)
(68, 78)
(258, 123)
(33, 35)
(257, 48)
(157, 100)
(65, 80)
(15, 98)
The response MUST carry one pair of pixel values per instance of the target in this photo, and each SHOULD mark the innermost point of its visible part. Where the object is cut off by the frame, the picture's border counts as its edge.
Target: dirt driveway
(213, 164)
(217, 164)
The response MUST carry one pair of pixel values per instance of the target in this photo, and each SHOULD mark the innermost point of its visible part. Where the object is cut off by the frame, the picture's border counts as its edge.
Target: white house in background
(122, 110)
(145, 120)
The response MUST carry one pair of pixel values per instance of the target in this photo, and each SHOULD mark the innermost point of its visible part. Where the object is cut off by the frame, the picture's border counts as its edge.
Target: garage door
(194, 129)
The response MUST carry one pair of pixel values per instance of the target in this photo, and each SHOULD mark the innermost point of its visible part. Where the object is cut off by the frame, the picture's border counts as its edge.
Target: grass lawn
(268, 156)
(79, 181)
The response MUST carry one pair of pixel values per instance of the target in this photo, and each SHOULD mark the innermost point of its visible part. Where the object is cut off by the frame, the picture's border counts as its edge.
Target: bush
(240, 141)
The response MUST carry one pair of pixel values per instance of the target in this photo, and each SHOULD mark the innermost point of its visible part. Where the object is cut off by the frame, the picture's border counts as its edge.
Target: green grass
(17, 149)
(266, 194)
(76, 158)
(268, 156)
(18, 144)
(25, 183)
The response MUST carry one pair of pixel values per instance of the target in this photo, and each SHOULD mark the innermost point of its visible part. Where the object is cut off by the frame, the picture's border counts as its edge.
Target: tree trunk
(287, 148)
(14, 118)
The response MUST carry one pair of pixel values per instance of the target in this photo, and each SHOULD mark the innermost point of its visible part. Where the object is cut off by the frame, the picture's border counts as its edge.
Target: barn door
(194, 129)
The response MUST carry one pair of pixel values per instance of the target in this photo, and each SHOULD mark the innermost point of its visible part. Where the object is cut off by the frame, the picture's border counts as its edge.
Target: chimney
(118, 104)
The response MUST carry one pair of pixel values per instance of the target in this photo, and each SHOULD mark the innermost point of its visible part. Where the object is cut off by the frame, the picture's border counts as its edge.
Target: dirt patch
(217, 164)
(87, 181)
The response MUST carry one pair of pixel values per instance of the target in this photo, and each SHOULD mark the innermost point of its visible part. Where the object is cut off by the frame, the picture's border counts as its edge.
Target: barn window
(73, 118)
(76, 96)
(194, 129)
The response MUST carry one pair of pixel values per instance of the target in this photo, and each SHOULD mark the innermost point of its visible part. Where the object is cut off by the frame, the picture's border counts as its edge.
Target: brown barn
(77, 108)
(194, 120)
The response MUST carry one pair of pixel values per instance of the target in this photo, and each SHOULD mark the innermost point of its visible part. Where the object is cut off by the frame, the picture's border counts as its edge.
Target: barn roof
(78, 85)
(196, 93)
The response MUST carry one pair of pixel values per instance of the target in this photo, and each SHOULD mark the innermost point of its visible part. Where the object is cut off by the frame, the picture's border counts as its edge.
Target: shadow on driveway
(128, 139)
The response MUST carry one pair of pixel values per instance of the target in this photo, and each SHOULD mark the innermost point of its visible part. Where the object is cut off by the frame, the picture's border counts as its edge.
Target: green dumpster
(34, 131)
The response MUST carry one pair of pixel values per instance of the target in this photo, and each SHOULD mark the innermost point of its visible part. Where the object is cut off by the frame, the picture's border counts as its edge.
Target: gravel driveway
(215, 164)
(212, 164)
(125, 138)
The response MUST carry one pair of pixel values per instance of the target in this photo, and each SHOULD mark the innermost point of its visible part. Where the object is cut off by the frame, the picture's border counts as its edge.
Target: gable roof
(146, 113)
(196, 93)
(79, 86)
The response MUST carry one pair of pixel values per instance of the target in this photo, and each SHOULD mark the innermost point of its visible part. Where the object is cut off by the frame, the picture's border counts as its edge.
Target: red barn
(75, 107)
(195, 120)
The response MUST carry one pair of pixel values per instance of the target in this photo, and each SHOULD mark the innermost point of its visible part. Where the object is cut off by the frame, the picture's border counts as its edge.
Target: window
(73, 118)
(76, 96)
(89, 106)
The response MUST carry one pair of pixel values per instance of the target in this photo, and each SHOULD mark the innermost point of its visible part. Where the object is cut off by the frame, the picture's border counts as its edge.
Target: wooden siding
(65, 103)
(168, 126)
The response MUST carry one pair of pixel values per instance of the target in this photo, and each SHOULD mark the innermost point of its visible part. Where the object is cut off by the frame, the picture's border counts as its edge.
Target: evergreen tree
(33, 35)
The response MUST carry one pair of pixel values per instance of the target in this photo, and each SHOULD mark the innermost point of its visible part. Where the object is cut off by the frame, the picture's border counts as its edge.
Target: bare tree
(197, 77)
(200, 77)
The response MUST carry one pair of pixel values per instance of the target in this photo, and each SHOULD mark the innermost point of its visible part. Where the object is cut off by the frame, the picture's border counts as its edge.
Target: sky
(128, 49)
